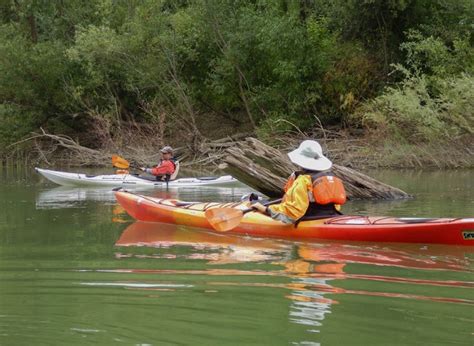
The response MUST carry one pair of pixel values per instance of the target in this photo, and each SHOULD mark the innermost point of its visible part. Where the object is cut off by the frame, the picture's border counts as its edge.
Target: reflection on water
(214, 247)
(413, 256)
(70, 197)
(76, 197)
(309, 307)
(309, 268)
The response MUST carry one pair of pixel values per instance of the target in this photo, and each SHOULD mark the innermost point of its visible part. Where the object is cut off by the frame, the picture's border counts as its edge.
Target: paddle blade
(120, 162)
(224, 219)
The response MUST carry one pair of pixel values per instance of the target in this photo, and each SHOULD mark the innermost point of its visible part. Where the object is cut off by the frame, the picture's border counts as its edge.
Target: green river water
(76, 270)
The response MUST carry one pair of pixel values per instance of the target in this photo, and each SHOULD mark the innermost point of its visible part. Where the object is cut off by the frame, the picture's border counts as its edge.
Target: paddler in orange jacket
(312, 192)
(166, 167)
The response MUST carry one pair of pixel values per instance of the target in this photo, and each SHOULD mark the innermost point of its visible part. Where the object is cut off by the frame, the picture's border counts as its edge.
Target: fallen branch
(266, 169)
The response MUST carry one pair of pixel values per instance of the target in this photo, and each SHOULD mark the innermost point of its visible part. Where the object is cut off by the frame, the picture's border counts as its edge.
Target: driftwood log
(266, 169)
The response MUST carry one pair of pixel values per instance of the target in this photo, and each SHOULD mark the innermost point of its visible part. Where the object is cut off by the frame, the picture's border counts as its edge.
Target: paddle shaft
(245, 211)
(134, 167)
(224, 219)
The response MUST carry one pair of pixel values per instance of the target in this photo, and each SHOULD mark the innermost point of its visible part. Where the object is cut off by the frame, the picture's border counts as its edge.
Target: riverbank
(358, 152)
(368, 154)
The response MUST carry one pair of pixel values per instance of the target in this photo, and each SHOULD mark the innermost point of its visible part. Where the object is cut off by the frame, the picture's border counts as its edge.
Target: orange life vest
(121, 171)
(165, 167)
(326, 188)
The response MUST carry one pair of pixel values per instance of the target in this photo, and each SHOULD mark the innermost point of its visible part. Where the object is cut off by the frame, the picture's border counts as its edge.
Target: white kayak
(130, 180)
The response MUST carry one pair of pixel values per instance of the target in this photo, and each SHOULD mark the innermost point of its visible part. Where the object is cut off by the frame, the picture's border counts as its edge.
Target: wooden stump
(266, 170)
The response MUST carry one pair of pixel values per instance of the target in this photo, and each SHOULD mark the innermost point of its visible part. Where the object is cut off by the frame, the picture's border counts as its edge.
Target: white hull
(127, 180)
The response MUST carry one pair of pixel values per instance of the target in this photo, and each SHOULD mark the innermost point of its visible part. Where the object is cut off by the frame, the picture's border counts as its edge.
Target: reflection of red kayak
(161, 235)
(324, 257)
(217, 248)
(349, 228)
(434, 257)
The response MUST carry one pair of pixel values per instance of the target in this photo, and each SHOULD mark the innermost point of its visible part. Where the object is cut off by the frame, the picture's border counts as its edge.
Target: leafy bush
(433, 57)
(411, 113)
(434, 100)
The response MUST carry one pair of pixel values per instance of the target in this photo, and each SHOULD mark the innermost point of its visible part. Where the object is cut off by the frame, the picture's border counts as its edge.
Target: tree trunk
(266, 169)
(33, 30)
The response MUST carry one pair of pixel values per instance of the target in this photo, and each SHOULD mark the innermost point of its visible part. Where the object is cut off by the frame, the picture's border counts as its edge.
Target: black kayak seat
(153, 179)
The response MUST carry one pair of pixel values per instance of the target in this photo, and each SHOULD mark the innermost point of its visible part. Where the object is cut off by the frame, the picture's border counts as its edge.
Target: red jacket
(163, 168)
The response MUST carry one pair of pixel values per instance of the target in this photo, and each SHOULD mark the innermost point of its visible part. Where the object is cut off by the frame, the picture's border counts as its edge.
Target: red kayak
(453, 231)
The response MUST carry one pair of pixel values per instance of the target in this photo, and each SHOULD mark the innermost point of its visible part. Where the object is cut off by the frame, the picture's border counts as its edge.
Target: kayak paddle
(225, 219)
(120, 162)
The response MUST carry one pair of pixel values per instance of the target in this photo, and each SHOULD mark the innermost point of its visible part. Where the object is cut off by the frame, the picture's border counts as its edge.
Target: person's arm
(294, 205)
(274, 215)
(149, 170)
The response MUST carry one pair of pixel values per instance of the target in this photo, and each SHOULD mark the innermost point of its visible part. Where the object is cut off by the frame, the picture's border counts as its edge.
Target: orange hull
(347, 228)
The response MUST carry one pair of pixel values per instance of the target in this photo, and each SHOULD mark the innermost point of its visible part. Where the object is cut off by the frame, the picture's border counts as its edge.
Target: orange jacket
(296, 199)
(163, 168)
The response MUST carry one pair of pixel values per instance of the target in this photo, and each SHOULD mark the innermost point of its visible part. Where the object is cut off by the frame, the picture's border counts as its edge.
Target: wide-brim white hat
(309, 155)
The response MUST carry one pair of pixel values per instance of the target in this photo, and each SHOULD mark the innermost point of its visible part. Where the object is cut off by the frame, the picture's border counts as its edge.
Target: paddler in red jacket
(311, 192)
(165, 168)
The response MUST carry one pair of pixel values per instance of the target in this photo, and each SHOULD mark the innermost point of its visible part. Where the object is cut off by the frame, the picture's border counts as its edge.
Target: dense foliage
(403, 67)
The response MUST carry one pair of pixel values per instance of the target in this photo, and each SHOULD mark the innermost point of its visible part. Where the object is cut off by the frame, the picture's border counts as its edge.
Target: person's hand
(260, 207)
(143, 169)
(250, 197)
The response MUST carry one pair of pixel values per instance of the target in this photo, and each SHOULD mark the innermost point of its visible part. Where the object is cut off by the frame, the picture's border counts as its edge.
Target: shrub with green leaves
(434, 100)
(409, 112)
